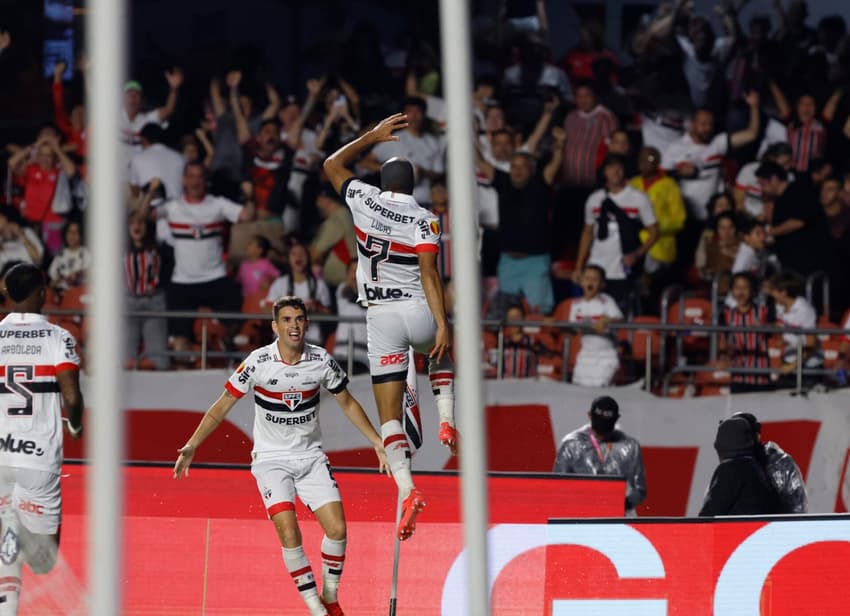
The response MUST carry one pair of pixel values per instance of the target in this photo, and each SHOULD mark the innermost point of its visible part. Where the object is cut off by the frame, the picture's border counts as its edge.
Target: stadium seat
(638, 337)
(831, 349)
(253, 331)
(553, 337)
(714, 383)
(825, 323)
(687, 310)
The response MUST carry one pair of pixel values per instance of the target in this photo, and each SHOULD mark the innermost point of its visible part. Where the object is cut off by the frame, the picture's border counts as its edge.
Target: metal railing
(568, 327)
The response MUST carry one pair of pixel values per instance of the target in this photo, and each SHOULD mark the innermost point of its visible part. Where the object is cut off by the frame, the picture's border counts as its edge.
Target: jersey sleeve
(612, 310)
(334, 378)
(592, 201)
(671, 157)
(355, 192)
(427, 234)
(229, 209)
(66, 357)
(242, 379)
(721, 143)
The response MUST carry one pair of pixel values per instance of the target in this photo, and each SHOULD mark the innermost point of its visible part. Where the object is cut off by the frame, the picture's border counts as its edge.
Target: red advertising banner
(729, 567)
(203, 545)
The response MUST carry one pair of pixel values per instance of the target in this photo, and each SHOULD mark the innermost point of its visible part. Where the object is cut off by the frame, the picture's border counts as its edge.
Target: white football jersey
(196, 231)
(590, 310)
(801, 314)
(32, 352)
(707, 158)
(286, 398)
(391, 230)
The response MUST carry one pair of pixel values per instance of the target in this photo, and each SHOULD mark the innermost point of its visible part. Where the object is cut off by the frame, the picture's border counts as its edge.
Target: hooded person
(599, 448)
(739, 485)
(781, 469)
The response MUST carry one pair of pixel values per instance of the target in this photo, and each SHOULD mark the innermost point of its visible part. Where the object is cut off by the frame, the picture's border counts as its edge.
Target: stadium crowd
(704, 159)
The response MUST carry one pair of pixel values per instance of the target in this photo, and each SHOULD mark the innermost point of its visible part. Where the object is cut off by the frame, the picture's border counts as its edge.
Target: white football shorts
(391, 329)
(36, 496)
(280, 480)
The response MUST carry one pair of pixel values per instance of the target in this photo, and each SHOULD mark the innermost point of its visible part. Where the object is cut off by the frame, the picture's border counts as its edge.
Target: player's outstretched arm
(214, 416)
(357, 416)
(432, 285)
(336, 165)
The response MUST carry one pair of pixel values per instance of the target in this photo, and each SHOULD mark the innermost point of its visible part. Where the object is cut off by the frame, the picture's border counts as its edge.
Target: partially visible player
(397, 275)
(287, 459)
(39, 367)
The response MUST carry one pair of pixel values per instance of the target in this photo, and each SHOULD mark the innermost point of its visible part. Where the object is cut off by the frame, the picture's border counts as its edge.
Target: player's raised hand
(442, 343)
(181, 467)
(383, 130)
(383, 463)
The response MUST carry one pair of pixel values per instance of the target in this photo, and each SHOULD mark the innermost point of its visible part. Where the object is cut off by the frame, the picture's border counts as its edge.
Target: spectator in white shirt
(422, 149)
(610, 239)
(793, 311)
(68, 268)
(747, 192)
(195, 224)
(18, 243)
(697, 157)
(156, 161)
(597, 361)
(752, 255)
(133, 118)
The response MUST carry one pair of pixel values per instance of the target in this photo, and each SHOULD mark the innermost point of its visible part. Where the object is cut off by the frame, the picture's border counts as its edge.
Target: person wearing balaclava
(782, 470)
(599, 448)
(739, 485)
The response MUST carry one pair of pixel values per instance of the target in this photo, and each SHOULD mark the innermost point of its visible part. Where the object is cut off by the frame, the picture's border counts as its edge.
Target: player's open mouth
(294, 334)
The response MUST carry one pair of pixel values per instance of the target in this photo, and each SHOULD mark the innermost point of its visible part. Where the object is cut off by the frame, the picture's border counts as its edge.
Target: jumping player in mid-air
(397, 275)
(287, 458)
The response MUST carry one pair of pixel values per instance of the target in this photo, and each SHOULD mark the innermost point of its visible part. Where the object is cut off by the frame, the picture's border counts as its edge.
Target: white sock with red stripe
(442, 379)
(302, 574)
(333, 557)
(398, 455)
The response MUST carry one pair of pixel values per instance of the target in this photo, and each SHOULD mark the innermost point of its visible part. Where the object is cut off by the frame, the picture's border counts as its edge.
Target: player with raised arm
(287, 458)
(39, 373)
(397, 275)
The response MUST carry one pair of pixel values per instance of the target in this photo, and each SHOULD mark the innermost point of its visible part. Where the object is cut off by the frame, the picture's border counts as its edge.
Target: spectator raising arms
(133, 118)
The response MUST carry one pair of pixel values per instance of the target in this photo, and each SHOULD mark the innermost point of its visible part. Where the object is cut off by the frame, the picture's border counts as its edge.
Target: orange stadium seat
(695, 310)
(714, 383)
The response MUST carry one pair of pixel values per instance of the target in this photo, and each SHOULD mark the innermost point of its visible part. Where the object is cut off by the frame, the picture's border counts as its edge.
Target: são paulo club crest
(292, 399)
(9, 547)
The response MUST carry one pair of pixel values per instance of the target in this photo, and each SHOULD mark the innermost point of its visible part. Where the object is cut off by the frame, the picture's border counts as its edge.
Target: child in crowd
(519, 358)
(68, 268)
(597, 362)
(743, 348)
(302, 282)
(793, 311)
(752, 256)
(256, 272)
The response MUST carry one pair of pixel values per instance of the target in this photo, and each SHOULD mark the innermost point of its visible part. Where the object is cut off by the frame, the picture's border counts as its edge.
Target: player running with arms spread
(287, 458)
(39, 374)
(397, 245)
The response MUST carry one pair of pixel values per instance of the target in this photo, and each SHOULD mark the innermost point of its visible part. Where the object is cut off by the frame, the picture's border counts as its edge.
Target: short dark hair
(152, 132)
(775, 150)
(67, 227)
(790, 282)
(503, 131)
(22, 281)
(397, 176)
(769, 169)
(749, 277)
(721, 216)
(598, 268)
(712, 202)
(267, 121)
(264, 244)
(416, 101)
(818, 164)
(195, 163)
(288, 301)
(612, 158)
(747, 224)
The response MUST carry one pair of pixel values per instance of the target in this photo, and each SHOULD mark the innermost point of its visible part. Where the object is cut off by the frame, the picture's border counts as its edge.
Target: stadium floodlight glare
(105, 31)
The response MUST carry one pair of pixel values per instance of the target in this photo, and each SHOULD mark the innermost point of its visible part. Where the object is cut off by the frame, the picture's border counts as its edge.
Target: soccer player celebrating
(287, 458)
(40, 366)
(397, 275)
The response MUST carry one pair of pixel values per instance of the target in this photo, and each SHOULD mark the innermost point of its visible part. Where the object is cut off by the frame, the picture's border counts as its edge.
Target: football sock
(398, 455)
(302, 574)
(333, 557)
(442, 379)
